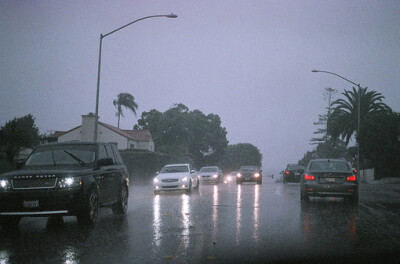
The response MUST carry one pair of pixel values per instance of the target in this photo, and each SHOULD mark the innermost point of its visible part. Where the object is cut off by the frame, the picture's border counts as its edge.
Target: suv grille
(33, 183)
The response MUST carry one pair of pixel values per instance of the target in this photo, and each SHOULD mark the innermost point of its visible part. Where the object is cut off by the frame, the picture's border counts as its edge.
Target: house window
(132, 146)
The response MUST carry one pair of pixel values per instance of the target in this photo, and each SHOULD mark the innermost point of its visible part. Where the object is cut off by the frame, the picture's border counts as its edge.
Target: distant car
(210, 174)
(74, 178)
(249, 174)
(176, 177)
(231, 177)
(292, 173)
(329, 177)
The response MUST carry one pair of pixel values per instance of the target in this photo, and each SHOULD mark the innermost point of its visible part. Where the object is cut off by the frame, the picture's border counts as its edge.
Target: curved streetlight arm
(137, 20)
(339, 77)
(96, 117)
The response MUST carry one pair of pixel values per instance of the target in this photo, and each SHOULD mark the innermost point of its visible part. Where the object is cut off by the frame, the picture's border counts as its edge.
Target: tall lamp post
(96, 120)
(358, 112)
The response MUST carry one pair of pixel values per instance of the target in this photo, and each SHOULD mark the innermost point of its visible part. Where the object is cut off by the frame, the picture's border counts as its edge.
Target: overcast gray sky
(249, 62)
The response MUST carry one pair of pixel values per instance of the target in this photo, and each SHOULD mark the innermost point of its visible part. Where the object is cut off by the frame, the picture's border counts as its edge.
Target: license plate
(330, 180)
(31, 204)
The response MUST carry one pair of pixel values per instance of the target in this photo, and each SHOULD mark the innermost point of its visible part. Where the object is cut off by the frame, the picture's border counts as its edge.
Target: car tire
(303, 196)
(9, 222)
(90, 212)
(121, 206)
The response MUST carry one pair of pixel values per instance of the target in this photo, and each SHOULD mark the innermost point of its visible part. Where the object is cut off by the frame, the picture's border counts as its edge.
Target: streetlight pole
(358, 112)
(96, 120)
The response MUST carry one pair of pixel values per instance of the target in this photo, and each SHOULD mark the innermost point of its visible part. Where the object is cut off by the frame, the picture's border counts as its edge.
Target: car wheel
(9, 222)
(303, 196)
(121, 206)
(91, 209)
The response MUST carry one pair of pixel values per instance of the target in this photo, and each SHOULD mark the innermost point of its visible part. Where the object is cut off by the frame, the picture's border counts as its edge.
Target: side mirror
(105, 162)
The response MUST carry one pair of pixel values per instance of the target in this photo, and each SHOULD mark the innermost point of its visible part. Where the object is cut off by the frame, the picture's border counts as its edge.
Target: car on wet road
(329, 178)
(175, 177)
(210, 174)
(249, 174)
(65, 179)
(292, 173)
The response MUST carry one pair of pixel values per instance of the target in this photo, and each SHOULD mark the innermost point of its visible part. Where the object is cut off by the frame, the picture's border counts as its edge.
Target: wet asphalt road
(224, 223)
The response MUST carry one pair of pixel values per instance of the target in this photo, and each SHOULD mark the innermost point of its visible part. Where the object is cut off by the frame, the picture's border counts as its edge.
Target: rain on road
(224, 223)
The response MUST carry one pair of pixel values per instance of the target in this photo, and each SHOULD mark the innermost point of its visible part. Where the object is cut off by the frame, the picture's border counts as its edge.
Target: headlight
(184, 179)
(215, 176)
(5, 184)
(257, 174)
(69, 182)
(229, 178)
(155, 180)
(239, 175)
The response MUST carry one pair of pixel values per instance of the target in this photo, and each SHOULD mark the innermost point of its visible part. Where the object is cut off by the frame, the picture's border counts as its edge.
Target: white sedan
(176, 177)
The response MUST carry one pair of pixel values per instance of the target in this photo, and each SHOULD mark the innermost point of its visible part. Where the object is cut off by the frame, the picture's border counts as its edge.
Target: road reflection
(256, 212)
(331, 219)
(156, 222)
(215, 213)
(238, 213)
(185, 211)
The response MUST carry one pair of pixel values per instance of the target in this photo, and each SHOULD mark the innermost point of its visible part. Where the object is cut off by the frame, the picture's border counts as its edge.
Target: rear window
(295, 167)
(329, 166)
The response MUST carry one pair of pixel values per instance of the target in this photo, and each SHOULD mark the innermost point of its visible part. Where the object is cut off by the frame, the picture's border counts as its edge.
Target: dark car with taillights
(329, 178)
(74, 178)
(292, 173)
(249, 174)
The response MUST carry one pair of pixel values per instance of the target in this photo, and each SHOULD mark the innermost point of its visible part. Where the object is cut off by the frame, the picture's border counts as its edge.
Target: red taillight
(351, 178)
(287, 172)
(309, 177)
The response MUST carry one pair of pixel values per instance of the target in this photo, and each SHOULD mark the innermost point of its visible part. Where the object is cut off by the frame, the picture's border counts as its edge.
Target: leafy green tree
(323, 119)
(179, 130)
(17, 133)
(380, 137)
(344, 118)
(124, 100)
(241, 154)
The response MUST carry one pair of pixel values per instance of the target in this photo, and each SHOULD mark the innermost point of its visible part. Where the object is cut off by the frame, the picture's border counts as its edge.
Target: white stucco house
(123, 139)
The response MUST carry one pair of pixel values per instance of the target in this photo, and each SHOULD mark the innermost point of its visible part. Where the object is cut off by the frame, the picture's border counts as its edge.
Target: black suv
(292, 173)
(65, 179)
(249, 173)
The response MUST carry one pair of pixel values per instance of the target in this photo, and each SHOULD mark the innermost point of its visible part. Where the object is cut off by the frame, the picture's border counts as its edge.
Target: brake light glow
(351, 178)
(287, 172)
(309, 177)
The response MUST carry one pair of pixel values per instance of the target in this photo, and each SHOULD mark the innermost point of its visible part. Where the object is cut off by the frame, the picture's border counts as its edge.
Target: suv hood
(177, 175)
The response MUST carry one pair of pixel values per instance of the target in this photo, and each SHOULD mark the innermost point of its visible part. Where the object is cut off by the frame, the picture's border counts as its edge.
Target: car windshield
(174, 169)
(248, 169)
(62, 155)
(295, 167)
(208, 169)
(329, 166)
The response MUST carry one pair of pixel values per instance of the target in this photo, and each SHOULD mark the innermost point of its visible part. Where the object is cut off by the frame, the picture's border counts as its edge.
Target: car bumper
(292, 178)
(171, 186)
(208, 179)
(248, 179)
(323, 190)
(41, 202)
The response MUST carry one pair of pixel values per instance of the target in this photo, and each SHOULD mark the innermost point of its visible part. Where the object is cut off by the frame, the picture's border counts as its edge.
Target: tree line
(378, 136)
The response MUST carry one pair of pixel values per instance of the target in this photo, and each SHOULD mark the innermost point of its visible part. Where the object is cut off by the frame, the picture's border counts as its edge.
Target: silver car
(176, 177)
(210, 174)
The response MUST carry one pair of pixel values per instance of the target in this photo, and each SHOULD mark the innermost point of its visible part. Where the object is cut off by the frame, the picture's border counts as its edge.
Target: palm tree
(344, 118)
(128, 101)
